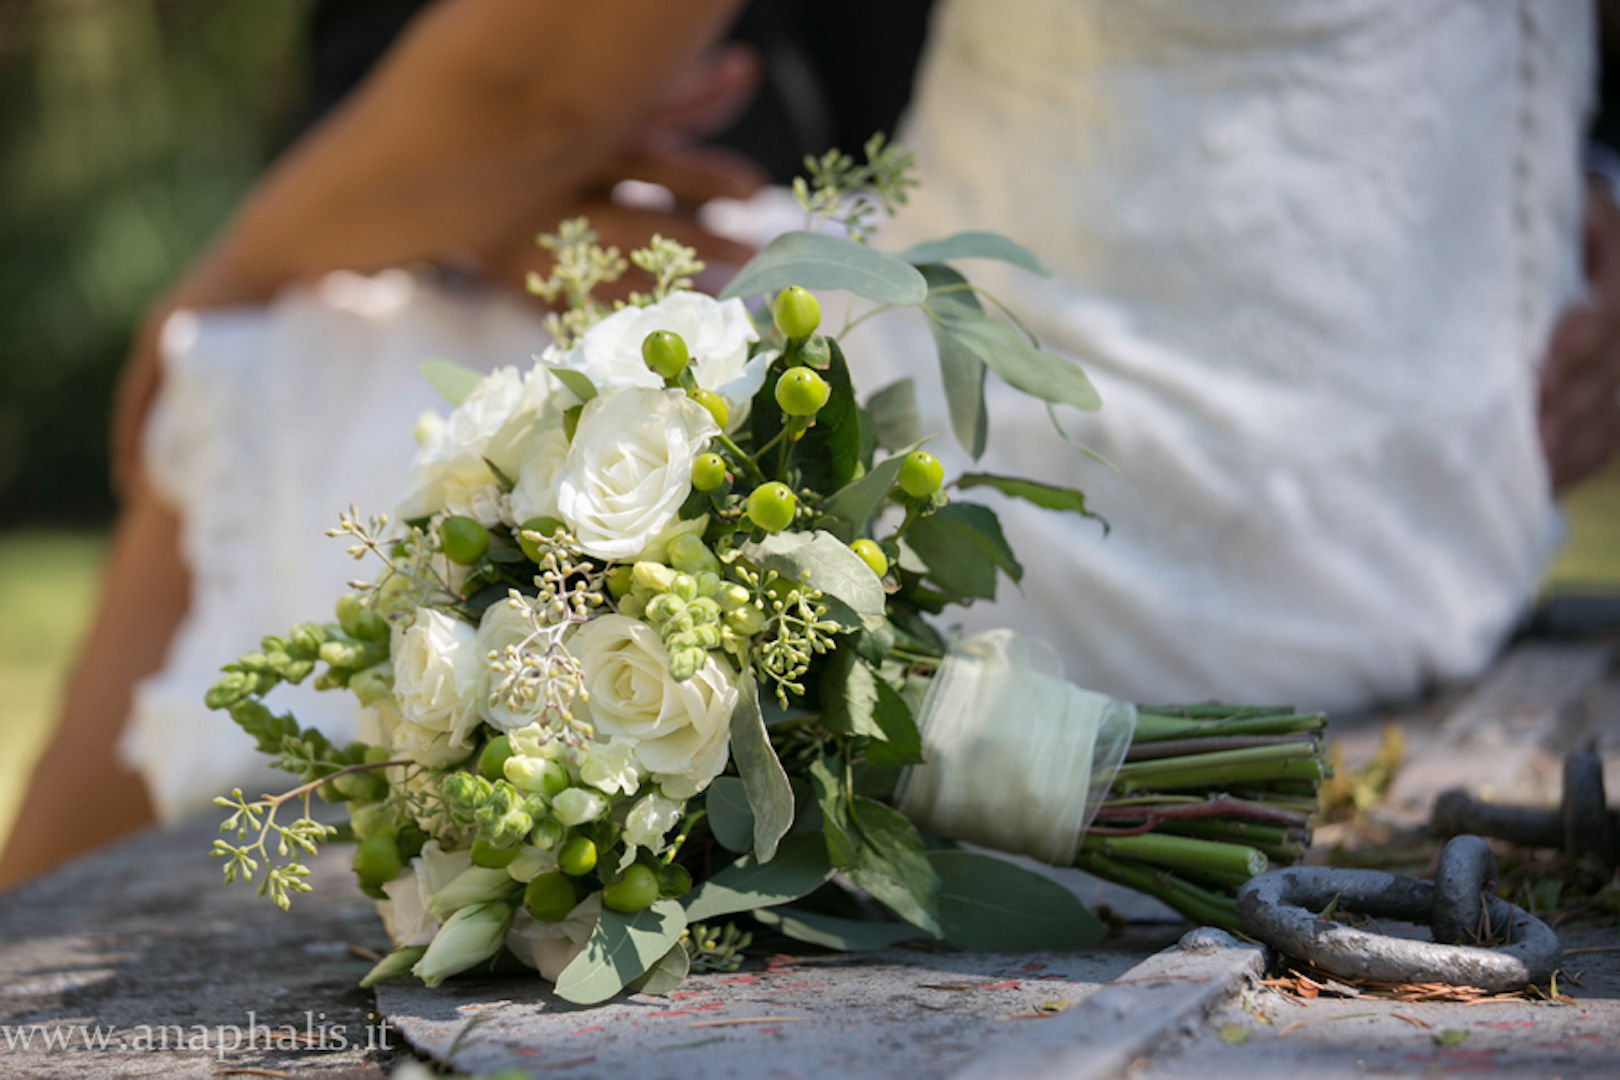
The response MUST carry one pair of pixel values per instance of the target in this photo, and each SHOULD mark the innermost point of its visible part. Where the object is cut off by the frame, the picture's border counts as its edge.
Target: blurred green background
(128, 129)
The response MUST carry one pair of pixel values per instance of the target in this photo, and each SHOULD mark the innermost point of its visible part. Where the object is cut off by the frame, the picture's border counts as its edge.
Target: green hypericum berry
(665, 353)
(577, 857)
(463, 540)
(771, 506)
(490, 857)
(545, 526)
(797, 313)
(871, 555)
(715, 404)
(921, 474)
(634, 892)
(708, 472)
(550, 897)
(492, 761)
(620, 580)
(377, 859)
(801, 392)
(366, 787)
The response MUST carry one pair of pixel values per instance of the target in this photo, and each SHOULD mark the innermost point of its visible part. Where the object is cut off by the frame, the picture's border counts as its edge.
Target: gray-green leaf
(853, 505)
(1046, 496)
(799, 868)
(770, 797)
(894, 414)
(818, 261)
(1023, 366)
(619, 950)
(993, 905)
(578, 383)
(892, 865)
(961, 371)
(975, 245)
(730, 819)
(667, 974)
(824, 562)
(451, 381)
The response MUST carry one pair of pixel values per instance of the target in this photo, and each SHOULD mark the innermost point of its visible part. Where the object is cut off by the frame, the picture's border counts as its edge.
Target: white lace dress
(1308, 250)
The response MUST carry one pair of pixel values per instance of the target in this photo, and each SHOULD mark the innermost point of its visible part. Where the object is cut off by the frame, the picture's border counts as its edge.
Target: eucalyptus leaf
(667, 974)
(577, 382)
(451, 381)
(818, 261)
(837, 832)
(853, 505)
(832, 932)
(975, 245)
(961, 371)
(892, 865)
(894, 414)
(620, 949)
(824, 562)
(799, 868)
(901, 742)
(1023, 366)
(726, 807)
(993, 905)
(770, 797)
(849, 695)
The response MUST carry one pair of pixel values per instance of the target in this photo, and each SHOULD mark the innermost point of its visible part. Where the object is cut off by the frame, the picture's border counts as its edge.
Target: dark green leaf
(849, 696)
(892, 865)
(667, 974)
(831, 932)
(620, 949)
(828, 455)
(894, 415)
(962, 545)
(726, 807)
(994, 905)
(451, 381)
(827, 777)
(818, 261)
(1023, 366)
(770, 798)
(1046, 496)
(901, 742)
(975, 245)
(800, 866)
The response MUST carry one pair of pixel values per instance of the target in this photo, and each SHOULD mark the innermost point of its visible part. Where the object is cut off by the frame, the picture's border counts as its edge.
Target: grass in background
(48, 586)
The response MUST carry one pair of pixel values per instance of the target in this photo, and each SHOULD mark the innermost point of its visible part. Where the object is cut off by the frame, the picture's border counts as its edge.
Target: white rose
(405, 913)
(504, 626)
(534, 490)
(437, 676)
(495, 423)
(717, 335)
(630, 468)
(682, 728)
(376, 723)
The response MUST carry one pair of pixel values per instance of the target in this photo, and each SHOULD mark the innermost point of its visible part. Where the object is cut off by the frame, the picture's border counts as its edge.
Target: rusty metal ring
(1278, 908)
(1464, 876)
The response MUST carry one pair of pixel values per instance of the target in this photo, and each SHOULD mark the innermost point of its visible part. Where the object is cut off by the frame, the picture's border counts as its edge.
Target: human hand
(1579, 411)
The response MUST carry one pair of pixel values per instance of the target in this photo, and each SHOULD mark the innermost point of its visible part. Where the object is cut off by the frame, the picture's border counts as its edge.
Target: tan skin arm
(489, 121)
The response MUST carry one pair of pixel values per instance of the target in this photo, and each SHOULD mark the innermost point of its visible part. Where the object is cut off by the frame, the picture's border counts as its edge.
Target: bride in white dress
(1310, 252)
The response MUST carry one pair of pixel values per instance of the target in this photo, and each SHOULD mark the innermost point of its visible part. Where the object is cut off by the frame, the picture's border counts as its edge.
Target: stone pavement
(142, 946)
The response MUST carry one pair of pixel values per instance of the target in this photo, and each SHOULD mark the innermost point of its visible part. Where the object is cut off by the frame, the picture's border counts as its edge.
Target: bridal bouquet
(648, 650)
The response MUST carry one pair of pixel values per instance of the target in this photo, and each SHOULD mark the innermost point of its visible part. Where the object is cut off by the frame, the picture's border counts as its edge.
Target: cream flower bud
(530, 863)
(576, 806)
(651, 819)
(473, 886)
(468, 938)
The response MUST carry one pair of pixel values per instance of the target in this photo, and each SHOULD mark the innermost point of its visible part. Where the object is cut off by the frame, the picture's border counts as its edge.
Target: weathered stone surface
(899, 1013)
(146, 964)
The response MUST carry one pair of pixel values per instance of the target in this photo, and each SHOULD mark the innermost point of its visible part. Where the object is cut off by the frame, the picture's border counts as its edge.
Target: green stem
(1240, 772)
(1144, 773)
(743, 458)
(1199, 905)
(1181, 852)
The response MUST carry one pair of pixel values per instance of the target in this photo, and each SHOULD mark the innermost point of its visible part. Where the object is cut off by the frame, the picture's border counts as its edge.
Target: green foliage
(619, 950)
(991, 904)
(962, 546)
(770, 798)
(961, 372)
(730, 819)
(818, 261)
(798, 868)
(892, 865)
(837, 188)
(128, 131)
(974, 245)
(450, 381)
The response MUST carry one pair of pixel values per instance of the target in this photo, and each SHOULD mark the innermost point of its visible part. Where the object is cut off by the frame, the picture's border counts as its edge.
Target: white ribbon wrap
(1015, 757)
